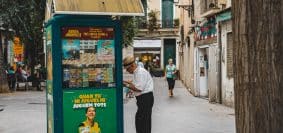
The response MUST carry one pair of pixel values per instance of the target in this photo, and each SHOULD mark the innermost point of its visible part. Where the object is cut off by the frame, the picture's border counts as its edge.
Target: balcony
(143, 24)
(162, 28)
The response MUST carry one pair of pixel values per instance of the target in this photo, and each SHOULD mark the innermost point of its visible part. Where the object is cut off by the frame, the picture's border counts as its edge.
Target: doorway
(202, 66)
(169, 51)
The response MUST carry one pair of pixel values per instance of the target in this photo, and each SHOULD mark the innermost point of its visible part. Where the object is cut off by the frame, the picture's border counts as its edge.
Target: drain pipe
(220, 62)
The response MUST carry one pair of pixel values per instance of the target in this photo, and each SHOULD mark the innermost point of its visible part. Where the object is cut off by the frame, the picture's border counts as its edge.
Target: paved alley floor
(25, 112)
(182, 113)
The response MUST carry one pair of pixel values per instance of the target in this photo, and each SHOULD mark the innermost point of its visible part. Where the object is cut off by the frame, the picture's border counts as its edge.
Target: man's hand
(131, 86)
(127, 84)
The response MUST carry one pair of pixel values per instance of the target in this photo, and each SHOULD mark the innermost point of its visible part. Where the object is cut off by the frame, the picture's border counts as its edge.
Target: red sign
(91, 33)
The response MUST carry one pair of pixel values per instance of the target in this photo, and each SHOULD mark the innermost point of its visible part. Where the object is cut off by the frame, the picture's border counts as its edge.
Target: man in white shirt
(142, 86)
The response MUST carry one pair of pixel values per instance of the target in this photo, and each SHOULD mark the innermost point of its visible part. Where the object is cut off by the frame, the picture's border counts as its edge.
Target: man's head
(129, 64)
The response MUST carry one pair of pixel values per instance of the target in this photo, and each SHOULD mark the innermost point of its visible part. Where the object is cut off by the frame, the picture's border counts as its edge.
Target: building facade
(157, 38)
(6, 45)
(206, 49)
(224, 23)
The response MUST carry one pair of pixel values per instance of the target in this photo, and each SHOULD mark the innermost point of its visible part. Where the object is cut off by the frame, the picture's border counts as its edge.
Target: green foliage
(176, 22)
(129, 30)
(152, 21)
(142, 22)
(25, 19)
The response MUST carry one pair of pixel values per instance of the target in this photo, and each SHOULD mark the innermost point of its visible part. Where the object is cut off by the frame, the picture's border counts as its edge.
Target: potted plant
(176, 22)
(152, 21)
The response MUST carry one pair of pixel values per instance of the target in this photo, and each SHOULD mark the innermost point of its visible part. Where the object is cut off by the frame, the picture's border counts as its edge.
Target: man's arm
(131, 86)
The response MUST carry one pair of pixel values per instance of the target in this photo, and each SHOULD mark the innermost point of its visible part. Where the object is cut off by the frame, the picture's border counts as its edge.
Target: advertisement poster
(75, 78)
(88, 76)
(88, 57)
(108, 75)
(105, 50)
(71, 49)
(18, 50)
(85, 78)
(49, 82)
(76, 103)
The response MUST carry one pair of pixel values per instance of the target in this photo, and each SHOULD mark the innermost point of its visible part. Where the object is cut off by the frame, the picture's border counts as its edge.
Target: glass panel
(88, 57)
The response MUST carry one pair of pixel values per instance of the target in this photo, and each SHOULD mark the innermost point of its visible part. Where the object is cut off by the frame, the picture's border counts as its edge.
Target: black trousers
(12, 84)
(143, 115)
(171, 83)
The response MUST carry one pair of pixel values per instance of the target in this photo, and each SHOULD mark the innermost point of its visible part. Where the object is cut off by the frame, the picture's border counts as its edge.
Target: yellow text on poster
(86, 100)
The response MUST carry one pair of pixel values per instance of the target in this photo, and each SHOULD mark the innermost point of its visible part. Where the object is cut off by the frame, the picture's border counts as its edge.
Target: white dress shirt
(142, 81)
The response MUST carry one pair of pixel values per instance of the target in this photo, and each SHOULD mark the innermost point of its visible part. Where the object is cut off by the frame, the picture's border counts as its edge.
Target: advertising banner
(75, 115)
(88, 80)
(18, 50)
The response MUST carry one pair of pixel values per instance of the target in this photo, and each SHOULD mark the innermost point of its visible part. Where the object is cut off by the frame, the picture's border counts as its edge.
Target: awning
(99, 7)
(147, 43)
(224, 15)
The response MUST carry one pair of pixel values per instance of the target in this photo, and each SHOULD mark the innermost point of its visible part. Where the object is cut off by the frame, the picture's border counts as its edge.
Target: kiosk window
(88, 57)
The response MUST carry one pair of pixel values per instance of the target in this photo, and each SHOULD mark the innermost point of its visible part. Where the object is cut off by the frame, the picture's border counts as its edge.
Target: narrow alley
(182, 113)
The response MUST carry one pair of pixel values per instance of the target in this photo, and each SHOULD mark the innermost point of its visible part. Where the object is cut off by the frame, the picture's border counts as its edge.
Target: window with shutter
(167, 13)
(229, 55)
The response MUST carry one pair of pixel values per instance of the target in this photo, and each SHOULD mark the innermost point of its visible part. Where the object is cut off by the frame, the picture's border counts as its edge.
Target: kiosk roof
(99, 7)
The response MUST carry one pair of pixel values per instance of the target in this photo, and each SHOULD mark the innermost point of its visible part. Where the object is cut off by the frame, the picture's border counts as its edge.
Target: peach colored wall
(156, 6)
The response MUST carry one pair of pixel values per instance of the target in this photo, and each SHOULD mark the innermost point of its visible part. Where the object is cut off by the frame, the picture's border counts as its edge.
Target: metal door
(213, 73)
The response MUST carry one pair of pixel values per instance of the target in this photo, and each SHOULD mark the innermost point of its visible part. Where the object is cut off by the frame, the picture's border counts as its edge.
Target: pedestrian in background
(11, 78)
(142, 86)
(25, 71)
(37, 76)
(140, 64)
(146, 65)
(170, 75)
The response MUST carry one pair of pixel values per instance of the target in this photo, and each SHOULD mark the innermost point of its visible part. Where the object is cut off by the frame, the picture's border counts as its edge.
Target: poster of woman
(90, 125)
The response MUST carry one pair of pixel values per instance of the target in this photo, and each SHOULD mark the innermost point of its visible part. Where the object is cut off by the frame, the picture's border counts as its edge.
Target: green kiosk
(84, 64)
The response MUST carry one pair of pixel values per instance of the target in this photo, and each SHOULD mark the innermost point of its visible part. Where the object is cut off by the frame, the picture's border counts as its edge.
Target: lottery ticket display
(88, 57)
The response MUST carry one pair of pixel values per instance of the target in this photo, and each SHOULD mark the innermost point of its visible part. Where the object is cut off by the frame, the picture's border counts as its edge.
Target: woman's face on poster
(90, 114)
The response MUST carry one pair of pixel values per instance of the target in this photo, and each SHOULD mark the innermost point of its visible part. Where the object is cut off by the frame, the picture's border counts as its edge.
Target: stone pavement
(25, 112)
(182, 113)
